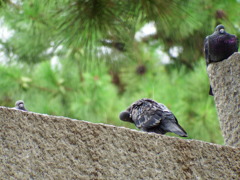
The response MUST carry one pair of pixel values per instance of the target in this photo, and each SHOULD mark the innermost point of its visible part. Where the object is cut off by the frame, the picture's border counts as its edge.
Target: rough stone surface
(36, 146)
(225, 81)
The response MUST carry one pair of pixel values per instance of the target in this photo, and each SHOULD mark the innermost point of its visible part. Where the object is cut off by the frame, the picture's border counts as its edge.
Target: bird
(19, 105)
(151, 116)
(219, 46)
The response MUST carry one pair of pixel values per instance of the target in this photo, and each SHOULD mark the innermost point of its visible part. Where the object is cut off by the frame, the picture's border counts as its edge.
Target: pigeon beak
(222, 30)
(21, 105)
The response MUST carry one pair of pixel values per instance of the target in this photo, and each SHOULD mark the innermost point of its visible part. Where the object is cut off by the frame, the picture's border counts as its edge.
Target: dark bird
(219, 46)
(151, 116)
(19, 105)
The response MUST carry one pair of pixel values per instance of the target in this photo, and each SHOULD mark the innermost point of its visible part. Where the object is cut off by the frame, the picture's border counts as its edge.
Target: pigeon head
(220, 29)
(19, 104)
(125, 116)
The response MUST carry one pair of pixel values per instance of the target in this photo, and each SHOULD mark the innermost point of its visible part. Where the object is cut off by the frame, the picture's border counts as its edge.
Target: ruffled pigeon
(151, 116)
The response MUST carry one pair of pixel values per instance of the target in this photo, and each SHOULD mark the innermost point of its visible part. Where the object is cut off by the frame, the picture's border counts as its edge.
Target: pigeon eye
(221, 30)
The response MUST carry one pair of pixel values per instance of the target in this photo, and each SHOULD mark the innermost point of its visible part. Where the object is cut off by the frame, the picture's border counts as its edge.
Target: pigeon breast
(222, 46)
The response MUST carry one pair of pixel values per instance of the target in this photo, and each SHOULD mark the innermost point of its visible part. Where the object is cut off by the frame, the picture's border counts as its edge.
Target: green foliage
(80, 25)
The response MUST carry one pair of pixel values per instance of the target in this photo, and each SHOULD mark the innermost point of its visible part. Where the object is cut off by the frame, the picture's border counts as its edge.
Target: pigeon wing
(146, 116)
(146, 122)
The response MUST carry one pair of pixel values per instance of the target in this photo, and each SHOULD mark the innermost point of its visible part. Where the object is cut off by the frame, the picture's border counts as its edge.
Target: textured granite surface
(225, 80)
(37, 146)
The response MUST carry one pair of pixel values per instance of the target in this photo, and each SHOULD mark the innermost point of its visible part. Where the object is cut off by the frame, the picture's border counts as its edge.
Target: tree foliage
(80, 25)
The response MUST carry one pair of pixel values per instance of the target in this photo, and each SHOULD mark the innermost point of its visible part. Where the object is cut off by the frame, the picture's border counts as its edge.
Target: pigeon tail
(179, 131)
(210, 91)
(175, 128)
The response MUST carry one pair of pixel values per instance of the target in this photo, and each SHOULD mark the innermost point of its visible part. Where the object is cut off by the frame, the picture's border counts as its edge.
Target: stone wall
(36, 146)
(225, 80)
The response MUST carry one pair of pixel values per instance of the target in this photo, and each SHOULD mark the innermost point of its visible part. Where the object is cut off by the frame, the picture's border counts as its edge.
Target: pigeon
(151, 116)
(19, 105)
(219, 46)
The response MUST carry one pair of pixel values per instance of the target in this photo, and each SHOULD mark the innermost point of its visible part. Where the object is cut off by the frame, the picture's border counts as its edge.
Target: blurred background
(90, 59)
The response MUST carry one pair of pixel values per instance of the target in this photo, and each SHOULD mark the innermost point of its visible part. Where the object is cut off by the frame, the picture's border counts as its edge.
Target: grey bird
(219, 46)
(151, 116)
(19, 105)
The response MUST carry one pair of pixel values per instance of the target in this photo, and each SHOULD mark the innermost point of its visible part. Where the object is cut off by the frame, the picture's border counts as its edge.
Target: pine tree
(83, 25)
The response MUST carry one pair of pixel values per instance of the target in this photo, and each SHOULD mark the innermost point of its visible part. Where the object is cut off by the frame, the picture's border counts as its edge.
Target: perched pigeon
(20, 105)
(151, 116)
(219, 46)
